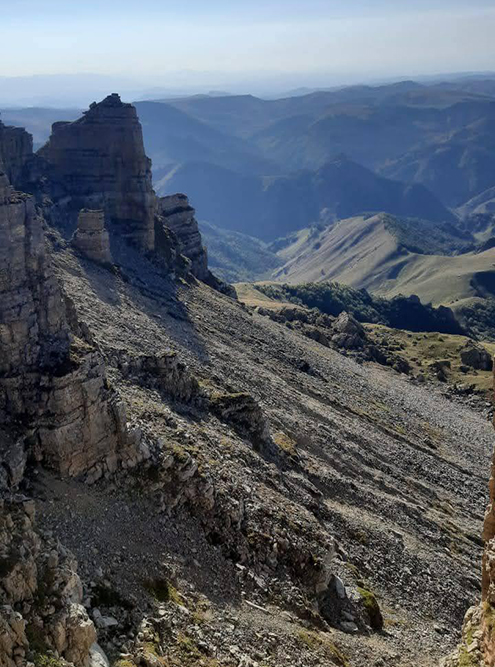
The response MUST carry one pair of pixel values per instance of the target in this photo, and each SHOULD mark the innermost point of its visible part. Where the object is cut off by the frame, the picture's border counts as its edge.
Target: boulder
(91, 238)
(349, 333)
(477, 357)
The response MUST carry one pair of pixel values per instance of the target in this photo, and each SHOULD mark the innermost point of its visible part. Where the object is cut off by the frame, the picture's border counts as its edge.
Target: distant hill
(236, 257)
(275, 206)
(457, 167)
(384, 255)
(173, 137)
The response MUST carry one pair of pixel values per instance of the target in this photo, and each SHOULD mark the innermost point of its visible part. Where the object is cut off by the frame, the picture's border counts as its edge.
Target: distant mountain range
(346, 162)
(270, 207)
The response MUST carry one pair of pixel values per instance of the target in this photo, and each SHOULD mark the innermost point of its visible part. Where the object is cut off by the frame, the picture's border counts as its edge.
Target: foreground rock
(49, 379)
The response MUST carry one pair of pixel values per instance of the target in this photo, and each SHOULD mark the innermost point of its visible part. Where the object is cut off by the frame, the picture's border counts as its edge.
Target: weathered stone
(476, 357)
(56, 384)
(163, 371)
(349, 334)
(178, 216)
(39, 577)
(16, 148)
(91, 237)
(98, 162)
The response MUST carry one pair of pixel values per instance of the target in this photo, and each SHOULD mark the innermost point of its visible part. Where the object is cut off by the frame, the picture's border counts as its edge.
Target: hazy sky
(158, 37)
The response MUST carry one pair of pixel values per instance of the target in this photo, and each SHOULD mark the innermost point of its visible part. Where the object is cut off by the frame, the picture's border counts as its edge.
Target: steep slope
(369, 252)
(360, 438)
(279, 504)
(272, 207)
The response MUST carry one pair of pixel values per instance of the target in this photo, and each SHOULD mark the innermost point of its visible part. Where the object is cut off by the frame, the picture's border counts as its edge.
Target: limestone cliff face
(16, 148)
(53, 390)
(98, 161)
(178, 216)
(91, 237)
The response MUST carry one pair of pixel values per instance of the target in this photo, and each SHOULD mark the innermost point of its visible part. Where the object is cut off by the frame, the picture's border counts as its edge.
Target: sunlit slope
(365, 253)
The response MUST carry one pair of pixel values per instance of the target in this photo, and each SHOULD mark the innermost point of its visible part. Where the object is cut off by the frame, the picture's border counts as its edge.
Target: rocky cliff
(98, 161)
(178, 216)
(91, 237)
(16, 148)
(53, 390)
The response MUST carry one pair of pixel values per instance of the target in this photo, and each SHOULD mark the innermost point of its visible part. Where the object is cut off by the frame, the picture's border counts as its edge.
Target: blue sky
(221, 38)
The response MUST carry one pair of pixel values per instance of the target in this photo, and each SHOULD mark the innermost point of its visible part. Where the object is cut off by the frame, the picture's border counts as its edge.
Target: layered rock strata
(178, 216)
(53, 389)
(91, 237)
(98, 161)
(16, 148)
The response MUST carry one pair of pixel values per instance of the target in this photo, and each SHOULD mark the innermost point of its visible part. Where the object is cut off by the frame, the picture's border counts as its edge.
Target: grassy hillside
(382, 254)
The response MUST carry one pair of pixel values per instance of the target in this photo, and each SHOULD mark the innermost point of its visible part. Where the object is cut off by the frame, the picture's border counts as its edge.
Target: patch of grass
(315, 641)
(467, 659)
(163, 591)
(47, 660)
(123, 662)
(285, 443)
(372, 608)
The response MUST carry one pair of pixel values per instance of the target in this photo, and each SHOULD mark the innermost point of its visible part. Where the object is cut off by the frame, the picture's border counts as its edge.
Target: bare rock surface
(98, 161)
(178, 216)
(16, 149)
(91, 237)
(50, 381)
(380, 481)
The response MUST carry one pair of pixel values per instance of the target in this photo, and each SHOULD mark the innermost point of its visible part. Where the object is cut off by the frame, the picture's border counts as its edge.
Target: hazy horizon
(224, 45)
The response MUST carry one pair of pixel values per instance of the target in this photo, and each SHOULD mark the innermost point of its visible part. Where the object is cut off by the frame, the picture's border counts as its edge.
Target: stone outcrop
(16, 148)
(476, 357)
(91, 237)
(54, 396)
(178, 216)
(98, 162)
(164, 372)
(41, 615)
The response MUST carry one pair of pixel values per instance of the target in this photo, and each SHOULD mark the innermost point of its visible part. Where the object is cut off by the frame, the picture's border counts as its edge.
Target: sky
(218, 41)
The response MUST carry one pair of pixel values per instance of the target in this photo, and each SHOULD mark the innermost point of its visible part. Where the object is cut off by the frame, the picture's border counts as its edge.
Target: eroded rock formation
(477, 648)
(40, 594)
(16, 148)
(51, 383)
(98, 161)
(91, 237)
(178, 216)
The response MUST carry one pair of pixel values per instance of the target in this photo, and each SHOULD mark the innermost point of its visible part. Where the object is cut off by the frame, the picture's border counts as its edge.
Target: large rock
(52, 385)
(98, 162)
(349, 334)
(16, 148)
(178, 216)
(91, 237)
(38, 578)
(476, 357)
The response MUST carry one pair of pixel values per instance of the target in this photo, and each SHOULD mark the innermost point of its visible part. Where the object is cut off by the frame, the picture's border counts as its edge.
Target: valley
(248, 425)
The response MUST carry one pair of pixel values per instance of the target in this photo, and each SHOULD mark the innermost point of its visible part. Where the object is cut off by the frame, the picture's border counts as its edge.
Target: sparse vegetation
(333, 298)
